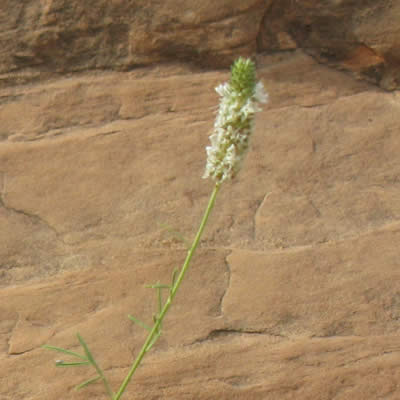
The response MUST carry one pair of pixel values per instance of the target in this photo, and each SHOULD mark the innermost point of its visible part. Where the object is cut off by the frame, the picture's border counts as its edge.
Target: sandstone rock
(293, 293)
(361, 37)
(105, 114)
(55, 35)
(41, 38)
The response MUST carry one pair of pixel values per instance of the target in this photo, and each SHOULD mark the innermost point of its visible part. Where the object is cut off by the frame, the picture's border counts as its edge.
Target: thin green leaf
(86, 383)
(86, 350)
(159, 295)
(61, 350)
(155, 338)
(158, 286)
(174, 274)
(175, 233)
(139, 322)
(95, 365)
(71, 364)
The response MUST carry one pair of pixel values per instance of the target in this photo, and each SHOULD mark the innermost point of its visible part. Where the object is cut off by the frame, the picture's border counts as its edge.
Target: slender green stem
(157, 324)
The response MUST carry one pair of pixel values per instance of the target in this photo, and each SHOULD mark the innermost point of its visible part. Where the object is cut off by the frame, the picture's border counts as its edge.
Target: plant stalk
(157, 324)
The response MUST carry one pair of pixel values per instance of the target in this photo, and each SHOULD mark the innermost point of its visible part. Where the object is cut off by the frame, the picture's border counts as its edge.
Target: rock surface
(361, 37)
(38, 38)
(74, 35)
(294, 291)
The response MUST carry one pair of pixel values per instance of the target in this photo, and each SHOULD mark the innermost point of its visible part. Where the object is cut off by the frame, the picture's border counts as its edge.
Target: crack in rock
(36, 219)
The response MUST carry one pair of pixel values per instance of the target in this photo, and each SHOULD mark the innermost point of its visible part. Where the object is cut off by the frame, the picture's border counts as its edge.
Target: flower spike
(235, 121)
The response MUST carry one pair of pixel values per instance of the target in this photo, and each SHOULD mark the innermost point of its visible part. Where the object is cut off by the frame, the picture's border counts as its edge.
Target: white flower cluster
(232, 129)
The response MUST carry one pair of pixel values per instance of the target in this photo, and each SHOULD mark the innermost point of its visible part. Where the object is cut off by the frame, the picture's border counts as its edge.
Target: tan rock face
(361, 37)
(54, 35)
(293, 293)
(73, 36)
(294, 290)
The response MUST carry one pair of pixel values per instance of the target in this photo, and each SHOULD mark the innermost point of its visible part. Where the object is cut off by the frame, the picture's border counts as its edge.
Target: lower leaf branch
(155, 331)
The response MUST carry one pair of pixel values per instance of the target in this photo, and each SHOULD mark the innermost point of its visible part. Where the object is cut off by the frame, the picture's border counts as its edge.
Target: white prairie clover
(229, 142)
(235, 121)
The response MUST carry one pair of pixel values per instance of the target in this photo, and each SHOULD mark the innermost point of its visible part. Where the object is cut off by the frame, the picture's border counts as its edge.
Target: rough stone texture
(76, 35)
(294, 291)
(38, 38)
(362, 37)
